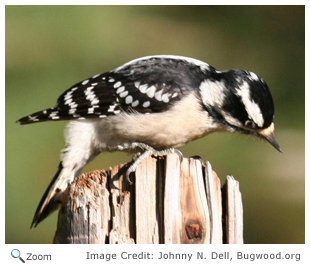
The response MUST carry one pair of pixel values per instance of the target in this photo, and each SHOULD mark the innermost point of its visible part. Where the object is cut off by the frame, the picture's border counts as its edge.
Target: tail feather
(51, 199)
(80, 149)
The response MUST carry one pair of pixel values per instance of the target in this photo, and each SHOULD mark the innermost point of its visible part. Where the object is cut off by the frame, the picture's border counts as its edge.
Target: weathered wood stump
(171, 201)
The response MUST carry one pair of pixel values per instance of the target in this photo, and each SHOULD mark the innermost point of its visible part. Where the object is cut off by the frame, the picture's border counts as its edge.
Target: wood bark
(171, 201)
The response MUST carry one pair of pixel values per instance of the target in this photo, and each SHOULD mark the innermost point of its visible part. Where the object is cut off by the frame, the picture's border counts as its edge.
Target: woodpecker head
(241, 102)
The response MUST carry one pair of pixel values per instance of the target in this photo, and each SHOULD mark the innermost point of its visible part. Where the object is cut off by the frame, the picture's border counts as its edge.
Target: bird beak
(268, 134)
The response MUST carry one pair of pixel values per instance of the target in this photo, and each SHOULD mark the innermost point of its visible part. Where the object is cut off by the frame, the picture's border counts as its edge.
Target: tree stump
(170, 202)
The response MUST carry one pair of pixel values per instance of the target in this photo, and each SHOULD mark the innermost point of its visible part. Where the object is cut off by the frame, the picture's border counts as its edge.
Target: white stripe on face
(251, 107)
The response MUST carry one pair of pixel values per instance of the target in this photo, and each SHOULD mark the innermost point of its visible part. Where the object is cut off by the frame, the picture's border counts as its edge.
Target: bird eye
(250, 123)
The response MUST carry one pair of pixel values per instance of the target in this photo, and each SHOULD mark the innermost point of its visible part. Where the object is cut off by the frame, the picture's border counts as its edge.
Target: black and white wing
(146, 85)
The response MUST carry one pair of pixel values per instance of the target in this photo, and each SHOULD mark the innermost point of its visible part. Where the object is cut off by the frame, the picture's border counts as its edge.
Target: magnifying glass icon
(16, 254)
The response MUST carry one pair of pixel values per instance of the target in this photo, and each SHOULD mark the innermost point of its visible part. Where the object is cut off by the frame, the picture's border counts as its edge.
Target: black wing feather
(151, 85)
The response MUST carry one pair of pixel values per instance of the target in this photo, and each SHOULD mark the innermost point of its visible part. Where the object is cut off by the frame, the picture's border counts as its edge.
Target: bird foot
(147, 151)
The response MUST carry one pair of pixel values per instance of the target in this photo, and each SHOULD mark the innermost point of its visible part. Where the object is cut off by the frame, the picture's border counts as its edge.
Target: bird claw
(148, 151)
(197, 157)
(179, 153)
(128, 172)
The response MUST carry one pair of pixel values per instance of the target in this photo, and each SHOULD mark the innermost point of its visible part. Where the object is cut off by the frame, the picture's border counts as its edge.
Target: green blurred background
(50, 48)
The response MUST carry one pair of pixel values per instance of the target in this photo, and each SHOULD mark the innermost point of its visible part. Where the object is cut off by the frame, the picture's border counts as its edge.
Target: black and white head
(241, 102)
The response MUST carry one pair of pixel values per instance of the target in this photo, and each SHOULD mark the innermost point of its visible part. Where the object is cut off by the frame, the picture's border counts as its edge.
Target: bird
(154, 105)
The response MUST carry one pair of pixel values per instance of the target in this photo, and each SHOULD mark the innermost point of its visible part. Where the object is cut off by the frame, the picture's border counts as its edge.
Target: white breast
(184, 122)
